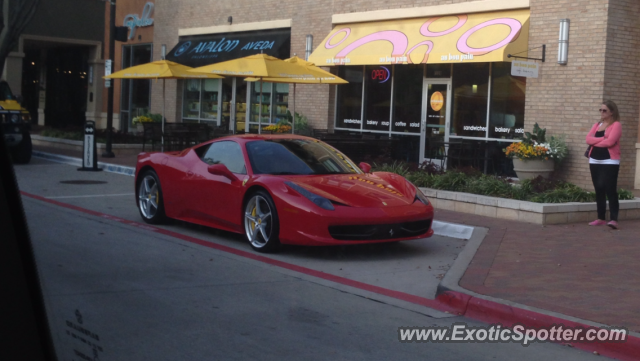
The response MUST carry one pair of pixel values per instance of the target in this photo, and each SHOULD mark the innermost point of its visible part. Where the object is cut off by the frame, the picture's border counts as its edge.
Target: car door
(217, 199)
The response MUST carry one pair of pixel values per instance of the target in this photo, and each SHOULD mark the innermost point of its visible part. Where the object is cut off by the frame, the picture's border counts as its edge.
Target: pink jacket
(611, 139)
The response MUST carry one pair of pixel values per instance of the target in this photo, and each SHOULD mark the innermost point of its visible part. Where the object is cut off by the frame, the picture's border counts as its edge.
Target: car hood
(360, 190)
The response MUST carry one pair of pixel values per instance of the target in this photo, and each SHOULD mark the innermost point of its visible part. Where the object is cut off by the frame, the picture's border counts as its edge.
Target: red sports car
(280, 189)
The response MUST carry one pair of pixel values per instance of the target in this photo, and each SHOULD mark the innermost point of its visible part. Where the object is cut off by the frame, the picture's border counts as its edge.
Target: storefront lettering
(372, 122)
(386, 124)
(352, 121)
(258, 45)
(132, 20)
(339, 61)
(401, 124)
(215, 47)
(519, 131)
(457, 57)
(414, 125)
(475, 128)
(502, 130)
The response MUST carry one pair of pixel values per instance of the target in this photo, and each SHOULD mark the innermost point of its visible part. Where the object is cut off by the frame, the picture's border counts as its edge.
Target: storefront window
(256, 102)
(349, 109)
(191, 102)
(201, 101)
(377, 104)
(407, 98)
(470, 97)
(281, 105)
(209, 108)
(507, 103)
(135, 94)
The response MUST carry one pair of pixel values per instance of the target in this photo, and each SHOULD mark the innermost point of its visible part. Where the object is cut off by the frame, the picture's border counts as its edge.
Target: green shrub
(537, 190)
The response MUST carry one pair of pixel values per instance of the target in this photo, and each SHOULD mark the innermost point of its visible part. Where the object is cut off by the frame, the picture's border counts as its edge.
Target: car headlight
(320, 201)
(26, 117)
(15, 118)
(420, 196)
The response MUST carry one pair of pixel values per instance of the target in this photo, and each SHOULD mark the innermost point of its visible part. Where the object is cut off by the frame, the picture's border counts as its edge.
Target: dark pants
(605, 182)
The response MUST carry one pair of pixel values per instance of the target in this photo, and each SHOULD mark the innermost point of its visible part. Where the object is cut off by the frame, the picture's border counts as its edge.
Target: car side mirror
(221, 169)
(365, 167)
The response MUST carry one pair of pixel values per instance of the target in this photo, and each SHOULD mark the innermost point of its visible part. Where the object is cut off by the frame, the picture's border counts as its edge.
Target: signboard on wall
(204, 50)
(527, 69)
(133, 21)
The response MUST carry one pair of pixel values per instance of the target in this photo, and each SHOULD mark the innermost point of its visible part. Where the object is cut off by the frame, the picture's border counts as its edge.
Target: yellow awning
(482, 37)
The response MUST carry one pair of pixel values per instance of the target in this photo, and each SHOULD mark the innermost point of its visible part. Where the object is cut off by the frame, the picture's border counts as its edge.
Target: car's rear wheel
(150, 198)
(22, 152)
(261, 222)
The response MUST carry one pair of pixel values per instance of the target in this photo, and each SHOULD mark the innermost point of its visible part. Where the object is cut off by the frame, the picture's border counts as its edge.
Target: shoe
(598, 222)
(613, 224)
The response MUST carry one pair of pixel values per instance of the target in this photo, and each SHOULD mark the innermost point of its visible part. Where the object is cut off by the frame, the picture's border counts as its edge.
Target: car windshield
(5, 92)
(297, 157)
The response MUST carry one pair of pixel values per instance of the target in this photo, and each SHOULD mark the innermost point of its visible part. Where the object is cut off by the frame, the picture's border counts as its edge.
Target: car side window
(228, 153)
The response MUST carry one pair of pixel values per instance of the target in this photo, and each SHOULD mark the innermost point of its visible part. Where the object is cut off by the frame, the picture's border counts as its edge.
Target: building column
(13, 71)
(636, 183)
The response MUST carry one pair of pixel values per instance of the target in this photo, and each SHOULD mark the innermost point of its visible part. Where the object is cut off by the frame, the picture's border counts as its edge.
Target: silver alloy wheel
(148, 196)
(258, 223)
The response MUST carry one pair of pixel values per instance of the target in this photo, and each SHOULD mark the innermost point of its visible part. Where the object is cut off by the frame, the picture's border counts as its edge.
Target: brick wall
(564, 99)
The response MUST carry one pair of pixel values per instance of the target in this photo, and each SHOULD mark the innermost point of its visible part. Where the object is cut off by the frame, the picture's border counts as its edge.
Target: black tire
(262, 226)
(22, 152)
(150, 198)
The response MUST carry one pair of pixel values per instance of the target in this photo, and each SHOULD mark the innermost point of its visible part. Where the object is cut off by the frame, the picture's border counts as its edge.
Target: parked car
(280, 189)
(15, 122)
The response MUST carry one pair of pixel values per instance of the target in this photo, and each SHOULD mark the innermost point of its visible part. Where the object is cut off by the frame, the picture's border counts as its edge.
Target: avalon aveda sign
(199, 51)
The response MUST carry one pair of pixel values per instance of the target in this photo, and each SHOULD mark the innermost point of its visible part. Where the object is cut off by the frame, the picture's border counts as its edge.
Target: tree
(20, 14)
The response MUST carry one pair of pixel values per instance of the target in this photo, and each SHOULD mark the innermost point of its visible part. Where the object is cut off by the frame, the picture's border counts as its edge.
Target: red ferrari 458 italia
(280, 189)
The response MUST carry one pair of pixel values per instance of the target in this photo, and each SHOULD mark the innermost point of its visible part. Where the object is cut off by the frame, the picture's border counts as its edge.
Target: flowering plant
(141, 119)
(535, 146)
(278, 128)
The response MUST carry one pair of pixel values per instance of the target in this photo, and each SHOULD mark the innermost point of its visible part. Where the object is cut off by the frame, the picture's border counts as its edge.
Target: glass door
(434, 137)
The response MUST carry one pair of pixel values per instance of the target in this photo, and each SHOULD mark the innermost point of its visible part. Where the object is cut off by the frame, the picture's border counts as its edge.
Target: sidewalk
(575, 270)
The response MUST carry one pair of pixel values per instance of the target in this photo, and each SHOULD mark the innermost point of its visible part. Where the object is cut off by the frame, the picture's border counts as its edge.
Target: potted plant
(534, 155)
(140, 120)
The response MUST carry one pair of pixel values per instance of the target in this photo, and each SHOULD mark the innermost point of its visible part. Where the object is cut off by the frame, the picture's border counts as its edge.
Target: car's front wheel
(261, 222)
(150, 198)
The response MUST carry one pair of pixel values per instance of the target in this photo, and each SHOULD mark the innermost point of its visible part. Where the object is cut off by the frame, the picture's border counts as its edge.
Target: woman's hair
(615, 114)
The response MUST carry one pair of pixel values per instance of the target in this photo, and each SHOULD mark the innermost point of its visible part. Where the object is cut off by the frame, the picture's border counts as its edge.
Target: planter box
(530, 212)
(528, 169)
(77, 145)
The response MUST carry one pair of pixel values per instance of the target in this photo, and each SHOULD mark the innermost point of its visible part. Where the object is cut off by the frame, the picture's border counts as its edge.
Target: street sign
(107, 72)
(89, 154)
(527, 69)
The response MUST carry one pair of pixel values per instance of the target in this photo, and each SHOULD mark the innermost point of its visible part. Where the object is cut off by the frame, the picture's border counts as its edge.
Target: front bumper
(311, 226)
(13, 132)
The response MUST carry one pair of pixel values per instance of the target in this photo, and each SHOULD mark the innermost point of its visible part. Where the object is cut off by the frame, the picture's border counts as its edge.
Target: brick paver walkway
(587, 272)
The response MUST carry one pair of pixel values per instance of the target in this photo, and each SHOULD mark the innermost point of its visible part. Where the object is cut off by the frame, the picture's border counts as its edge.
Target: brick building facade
(602, 59)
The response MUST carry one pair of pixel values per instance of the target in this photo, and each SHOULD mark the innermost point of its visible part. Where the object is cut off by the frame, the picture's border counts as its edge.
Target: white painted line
(452, 230)
(94, 195)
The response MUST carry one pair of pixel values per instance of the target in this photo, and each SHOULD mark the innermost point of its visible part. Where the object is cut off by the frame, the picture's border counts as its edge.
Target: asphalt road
(121, 291)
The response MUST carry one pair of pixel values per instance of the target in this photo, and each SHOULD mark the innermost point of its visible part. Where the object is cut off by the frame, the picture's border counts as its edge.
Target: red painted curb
(497, 313)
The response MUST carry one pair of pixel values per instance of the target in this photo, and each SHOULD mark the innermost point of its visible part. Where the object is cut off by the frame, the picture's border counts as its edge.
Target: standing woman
(604, 162)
